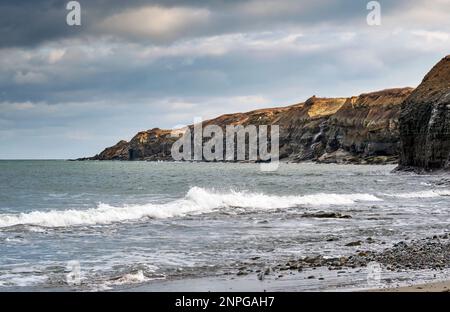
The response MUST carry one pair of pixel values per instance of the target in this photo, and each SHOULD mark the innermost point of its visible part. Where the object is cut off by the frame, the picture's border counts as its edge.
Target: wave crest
(197, 200)
(422, 194)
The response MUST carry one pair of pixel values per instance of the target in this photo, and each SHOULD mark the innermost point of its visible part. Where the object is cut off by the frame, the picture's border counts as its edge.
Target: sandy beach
(290, 283)
(443, 286)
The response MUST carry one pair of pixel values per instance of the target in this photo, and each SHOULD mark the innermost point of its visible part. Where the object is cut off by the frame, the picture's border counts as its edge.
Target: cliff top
(439, 76)
(314, 107)
(436, 82)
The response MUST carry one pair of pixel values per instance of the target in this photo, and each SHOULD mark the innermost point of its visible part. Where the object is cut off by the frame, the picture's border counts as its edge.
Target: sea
(111, 225)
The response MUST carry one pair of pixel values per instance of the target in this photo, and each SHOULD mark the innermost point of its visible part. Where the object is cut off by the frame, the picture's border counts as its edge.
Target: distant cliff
(425, 122)
(359, 129)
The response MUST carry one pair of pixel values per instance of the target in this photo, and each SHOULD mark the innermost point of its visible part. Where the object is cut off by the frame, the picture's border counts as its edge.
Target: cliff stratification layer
(359, 129)
(425, 122)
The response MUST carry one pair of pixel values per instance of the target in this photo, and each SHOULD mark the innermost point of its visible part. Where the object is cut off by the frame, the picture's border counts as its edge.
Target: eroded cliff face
(366, 127)
(359, 129)
(425, 122)
(304, 128)
(152, 144)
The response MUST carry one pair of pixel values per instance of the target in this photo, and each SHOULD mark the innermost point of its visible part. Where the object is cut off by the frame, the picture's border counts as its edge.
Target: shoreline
(289, 283)
(440, 286)
(411, 266)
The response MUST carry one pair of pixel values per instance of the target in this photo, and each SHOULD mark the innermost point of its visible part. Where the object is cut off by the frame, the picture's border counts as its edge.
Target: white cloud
(251, 100)
(56, 55)
(44, 109)
(211, 107)
(80, 135)
(23, 106)
(19, 106)
(181, 105)
(13, 110)
(419, 14)
(432, 35)
(270, 8)
(154, 22)
(265, 43)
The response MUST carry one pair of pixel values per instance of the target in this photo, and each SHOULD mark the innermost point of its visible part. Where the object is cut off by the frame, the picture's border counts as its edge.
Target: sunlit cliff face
(357, 127)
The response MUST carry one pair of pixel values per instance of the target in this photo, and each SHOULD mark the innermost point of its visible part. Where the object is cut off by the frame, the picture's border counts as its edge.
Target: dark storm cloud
(28, 23)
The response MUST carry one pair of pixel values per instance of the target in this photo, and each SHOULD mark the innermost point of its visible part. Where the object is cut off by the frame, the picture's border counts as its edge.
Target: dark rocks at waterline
(352, 244)
(326, 215)
(430, 253)
(443, 182)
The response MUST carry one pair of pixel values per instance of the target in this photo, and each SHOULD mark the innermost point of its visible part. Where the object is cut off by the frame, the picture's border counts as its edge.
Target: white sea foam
(197, 200)
(22, 280)
(130, 278)
(422, 194)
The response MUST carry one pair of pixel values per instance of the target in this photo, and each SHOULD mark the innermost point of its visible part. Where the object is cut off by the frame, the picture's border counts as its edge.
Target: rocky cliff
(359, 129)
(425, 122)
(154, 144)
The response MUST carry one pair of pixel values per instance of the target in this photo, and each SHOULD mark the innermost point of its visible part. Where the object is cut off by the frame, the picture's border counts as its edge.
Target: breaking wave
(422, 194)
(197, 201)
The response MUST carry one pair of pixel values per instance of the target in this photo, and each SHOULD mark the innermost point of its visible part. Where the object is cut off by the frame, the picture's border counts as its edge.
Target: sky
(70, 91)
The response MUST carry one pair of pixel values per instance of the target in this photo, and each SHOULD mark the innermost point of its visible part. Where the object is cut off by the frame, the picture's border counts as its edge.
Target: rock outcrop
(425, 123)
(152, 144)
(359, 129)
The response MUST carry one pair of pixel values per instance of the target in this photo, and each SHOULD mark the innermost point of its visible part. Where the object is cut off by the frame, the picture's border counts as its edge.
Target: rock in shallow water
(329, 215)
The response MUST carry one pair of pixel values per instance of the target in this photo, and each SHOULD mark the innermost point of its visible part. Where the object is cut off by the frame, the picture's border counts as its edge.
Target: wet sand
(293, 284)
(429, 287)
(323, 280)
(407, 266)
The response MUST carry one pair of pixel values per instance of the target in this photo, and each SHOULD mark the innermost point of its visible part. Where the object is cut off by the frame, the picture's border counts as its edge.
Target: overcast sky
(69, 91)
